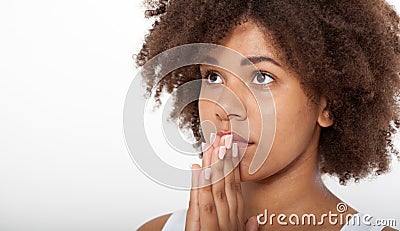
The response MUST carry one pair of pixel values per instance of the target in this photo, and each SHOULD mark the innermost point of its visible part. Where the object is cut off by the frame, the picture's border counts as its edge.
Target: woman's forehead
(251, 40)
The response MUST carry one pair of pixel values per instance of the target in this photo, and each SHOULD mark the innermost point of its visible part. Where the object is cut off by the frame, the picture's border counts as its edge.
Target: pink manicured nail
(212, 138)
(228, 141)
(207, 173)
(203, 146)
(222, 151)
(235, 150)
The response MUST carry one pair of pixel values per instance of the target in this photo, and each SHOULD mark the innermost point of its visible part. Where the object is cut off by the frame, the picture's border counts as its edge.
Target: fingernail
(228, 141)
(222, 151)
(203, 146)
(235, 150)
(212, 138)
(207, 173)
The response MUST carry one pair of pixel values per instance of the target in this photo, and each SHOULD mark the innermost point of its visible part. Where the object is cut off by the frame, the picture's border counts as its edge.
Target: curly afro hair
(345, 50)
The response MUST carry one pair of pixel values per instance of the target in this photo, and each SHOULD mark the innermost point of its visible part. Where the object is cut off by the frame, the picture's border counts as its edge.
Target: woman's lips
(236, 138)
(243, 145)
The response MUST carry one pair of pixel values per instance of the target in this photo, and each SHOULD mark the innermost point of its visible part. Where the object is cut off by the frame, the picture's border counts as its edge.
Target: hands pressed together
(216, 201)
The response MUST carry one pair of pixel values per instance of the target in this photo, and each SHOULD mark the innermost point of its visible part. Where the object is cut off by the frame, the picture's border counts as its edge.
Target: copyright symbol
(341, 207)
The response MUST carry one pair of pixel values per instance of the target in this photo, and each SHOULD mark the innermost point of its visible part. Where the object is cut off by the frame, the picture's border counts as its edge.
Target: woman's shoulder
(389, 229)
(156, 223)
(173, 221)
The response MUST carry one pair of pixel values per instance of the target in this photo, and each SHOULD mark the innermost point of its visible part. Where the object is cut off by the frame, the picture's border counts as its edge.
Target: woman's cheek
(285, 147)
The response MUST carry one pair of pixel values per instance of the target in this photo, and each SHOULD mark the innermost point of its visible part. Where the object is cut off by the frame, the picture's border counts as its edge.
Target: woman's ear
(324, 117)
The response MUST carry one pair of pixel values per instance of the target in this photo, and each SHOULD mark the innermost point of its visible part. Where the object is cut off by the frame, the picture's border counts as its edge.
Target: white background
(65, 67)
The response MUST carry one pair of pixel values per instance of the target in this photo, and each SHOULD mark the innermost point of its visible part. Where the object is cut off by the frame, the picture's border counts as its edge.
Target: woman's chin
(244, 167)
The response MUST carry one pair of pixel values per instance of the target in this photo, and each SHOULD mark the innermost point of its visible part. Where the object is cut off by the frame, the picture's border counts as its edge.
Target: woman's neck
(294, 187)
(297, 189)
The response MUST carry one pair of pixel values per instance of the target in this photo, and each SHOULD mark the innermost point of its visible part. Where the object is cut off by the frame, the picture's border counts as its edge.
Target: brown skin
(217, 204)
(336, 121)
(155, 224)
(348, 51)
(289, 181)
(298, 119)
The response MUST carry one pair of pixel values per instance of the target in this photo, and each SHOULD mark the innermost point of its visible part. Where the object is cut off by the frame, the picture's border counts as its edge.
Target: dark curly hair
(345, 50)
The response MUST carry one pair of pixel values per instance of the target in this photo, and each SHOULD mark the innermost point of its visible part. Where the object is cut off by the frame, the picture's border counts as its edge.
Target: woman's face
(295, 121)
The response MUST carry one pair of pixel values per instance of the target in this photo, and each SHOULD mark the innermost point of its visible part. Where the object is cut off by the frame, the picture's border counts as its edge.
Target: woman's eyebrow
(208, 60)
(258, 59)
(247, 61)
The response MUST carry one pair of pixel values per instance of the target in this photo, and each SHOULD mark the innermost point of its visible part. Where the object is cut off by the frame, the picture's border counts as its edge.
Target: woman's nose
(229, 106)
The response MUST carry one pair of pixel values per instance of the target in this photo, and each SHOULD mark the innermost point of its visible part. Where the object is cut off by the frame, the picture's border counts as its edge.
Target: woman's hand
(216, 201)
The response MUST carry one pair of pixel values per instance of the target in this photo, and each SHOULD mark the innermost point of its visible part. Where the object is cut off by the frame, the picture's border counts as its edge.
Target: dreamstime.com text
(334, 218)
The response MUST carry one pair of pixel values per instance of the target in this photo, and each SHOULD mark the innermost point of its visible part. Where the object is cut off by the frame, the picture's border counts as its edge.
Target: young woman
(332, 68)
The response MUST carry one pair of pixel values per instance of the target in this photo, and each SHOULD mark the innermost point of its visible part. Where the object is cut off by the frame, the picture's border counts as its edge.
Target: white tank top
(176, 222)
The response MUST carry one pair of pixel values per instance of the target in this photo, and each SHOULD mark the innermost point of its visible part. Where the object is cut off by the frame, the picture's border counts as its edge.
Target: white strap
(176, 222)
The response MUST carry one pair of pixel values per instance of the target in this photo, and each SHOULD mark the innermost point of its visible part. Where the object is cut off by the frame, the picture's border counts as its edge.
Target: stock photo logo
(331, 217)
(143, 150)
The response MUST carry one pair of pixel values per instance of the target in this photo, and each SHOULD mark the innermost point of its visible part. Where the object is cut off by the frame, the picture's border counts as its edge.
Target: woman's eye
(213, 77)
(262, 78)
